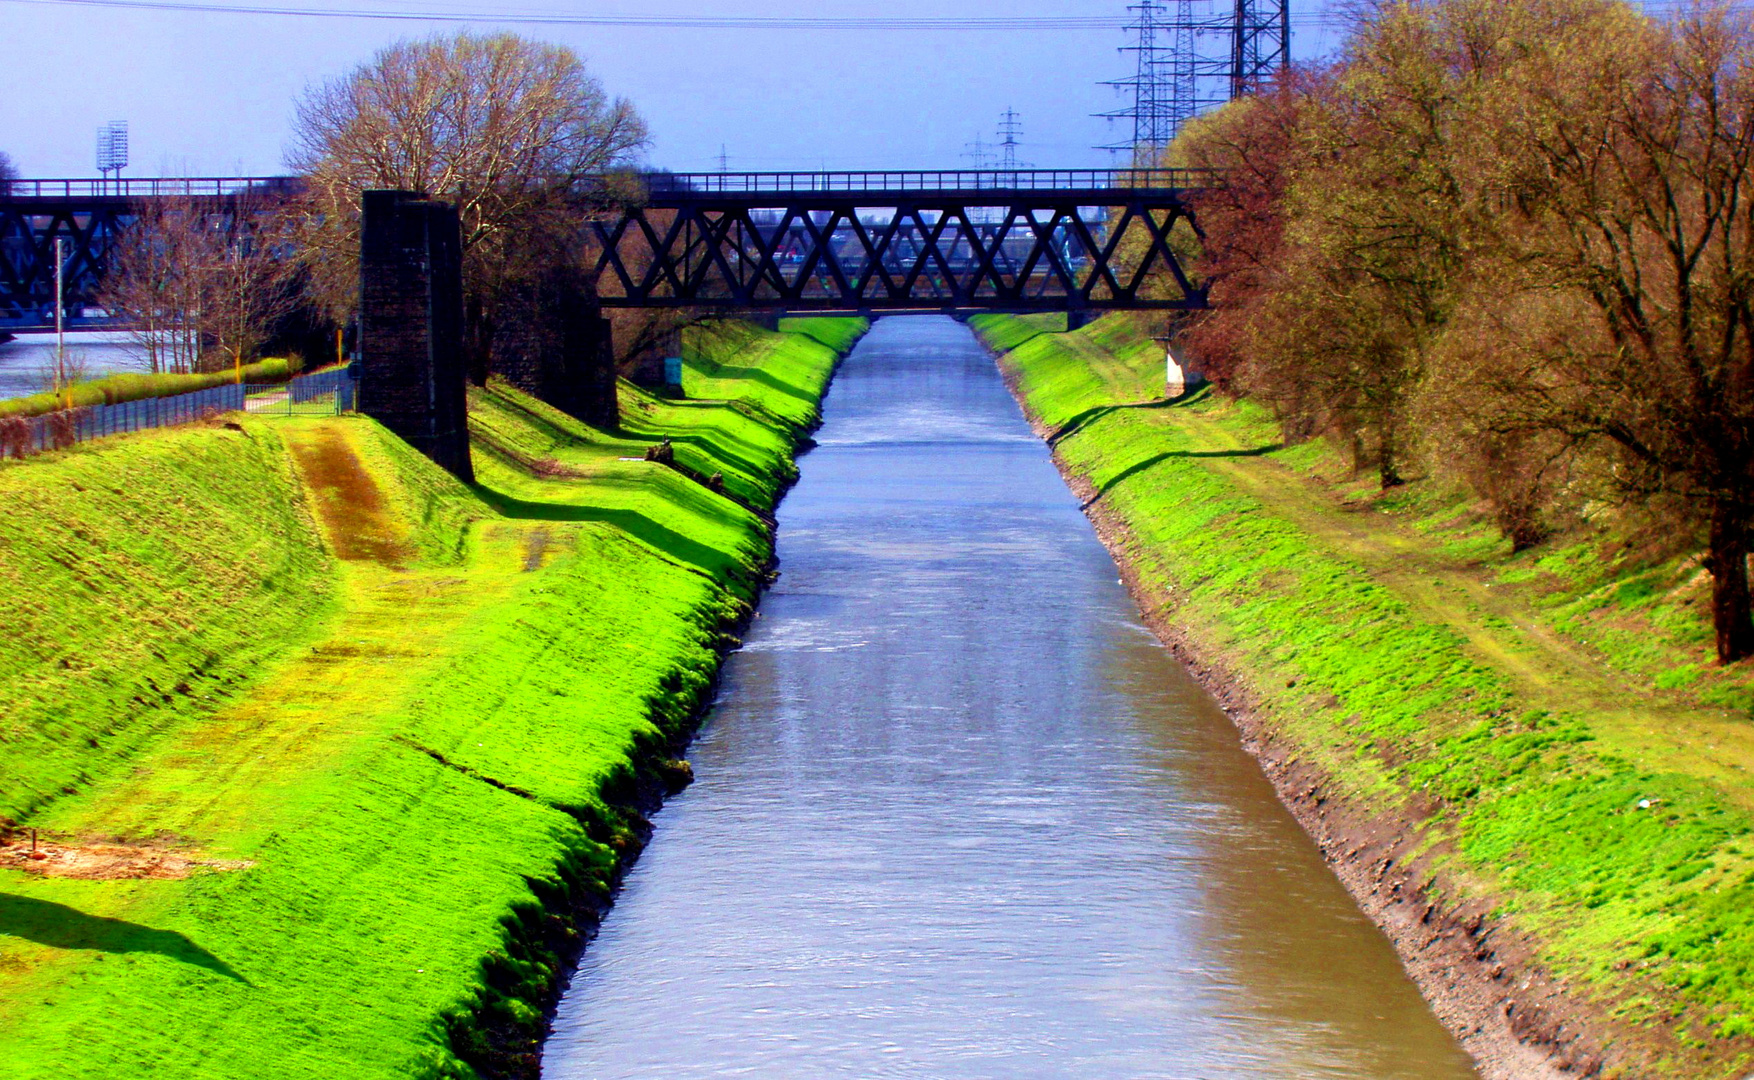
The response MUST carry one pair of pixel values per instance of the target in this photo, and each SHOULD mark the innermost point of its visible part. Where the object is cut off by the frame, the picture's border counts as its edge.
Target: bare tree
(8, 172)
(200, 287)
(152, 283)
(246, 279)
(504, 127)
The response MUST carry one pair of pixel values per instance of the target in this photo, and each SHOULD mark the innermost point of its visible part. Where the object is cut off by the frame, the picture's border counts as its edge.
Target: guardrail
(927, 180)
(665, 183)
(151, 187)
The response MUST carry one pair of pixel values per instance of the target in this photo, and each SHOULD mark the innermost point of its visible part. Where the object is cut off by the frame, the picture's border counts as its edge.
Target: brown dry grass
(356, 519)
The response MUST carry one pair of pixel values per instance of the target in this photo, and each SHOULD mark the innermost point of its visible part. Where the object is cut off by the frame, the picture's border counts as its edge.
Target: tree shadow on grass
(61, 927)
(1092, 415)
(1145, 463)
(699, 557)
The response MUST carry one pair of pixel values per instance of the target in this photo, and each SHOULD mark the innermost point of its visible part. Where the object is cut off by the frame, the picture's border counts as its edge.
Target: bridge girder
(1014, 250)
(1039, 240)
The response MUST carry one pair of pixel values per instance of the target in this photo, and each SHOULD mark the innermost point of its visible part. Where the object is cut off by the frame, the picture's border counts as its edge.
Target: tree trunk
(1387, 467)
(1732, 614)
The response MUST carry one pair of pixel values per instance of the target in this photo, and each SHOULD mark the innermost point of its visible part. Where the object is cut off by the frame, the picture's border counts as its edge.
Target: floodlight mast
(112, 151)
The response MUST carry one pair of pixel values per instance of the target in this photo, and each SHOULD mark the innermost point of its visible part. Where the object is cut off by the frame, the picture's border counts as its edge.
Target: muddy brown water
(958, 814)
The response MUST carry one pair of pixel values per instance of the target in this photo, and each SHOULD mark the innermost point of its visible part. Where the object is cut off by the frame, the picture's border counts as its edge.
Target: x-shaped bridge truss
(1012, 250)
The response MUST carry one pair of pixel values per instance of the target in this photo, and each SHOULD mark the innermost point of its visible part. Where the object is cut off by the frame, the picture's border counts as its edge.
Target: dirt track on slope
(356, 519)
(108, 862)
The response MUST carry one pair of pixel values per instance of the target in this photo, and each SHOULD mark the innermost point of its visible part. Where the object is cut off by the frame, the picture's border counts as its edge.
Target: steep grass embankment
(1520, 764)
(335, 758)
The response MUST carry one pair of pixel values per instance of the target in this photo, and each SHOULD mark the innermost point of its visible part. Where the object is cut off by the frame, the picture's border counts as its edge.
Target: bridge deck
(896, 240)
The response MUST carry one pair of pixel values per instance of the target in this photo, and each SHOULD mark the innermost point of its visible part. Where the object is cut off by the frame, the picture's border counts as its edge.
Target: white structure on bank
(1179, 377)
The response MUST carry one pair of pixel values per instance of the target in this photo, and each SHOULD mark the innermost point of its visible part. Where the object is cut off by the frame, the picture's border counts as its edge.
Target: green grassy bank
(334, 757)
(1535, 744)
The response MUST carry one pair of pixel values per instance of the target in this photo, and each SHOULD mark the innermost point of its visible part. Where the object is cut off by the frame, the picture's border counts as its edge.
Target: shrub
(135, 386)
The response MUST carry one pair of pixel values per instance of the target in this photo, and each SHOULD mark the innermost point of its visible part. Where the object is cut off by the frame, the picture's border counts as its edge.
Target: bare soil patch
(108, 862)
(352, 507)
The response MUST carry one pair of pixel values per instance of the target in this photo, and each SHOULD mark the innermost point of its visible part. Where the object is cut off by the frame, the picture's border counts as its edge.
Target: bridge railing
(735, 183)
(150, 187)
(664, 183)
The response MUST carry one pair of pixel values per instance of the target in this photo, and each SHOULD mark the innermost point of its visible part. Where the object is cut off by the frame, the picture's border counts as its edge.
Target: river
(26, 360)
(959, 814)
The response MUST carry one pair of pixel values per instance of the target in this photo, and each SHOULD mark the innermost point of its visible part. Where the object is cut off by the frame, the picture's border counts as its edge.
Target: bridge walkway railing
(922, 180)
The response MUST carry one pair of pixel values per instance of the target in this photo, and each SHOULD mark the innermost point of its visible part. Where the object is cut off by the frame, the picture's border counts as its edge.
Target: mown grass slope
(136, 587)
(392, 805)
(1602, 811)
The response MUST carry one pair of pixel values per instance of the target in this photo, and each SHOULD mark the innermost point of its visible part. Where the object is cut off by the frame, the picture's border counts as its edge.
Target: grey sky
(212, 94)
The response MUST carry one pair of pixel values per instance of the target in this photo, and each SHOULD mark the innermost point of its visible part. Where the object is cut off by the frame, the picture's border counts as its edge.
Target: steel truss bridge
(91, 215)
(1080, 241)
(1020, 240)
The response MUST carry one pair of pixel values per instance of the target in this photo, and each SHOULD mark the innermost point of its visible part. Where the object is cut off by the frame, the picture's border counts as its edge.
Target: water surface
(25, 361)
(958, 813)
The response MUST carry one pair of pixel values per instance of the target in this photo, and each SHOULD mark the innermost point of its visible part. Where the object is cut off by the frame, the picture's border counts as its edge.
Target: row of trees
(1513, 239)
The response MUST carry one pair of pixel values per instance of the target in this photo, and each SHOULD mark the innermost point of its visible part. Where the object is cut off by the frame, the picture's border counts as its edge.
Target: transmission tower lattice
(1200, 54)
(1260, 43)
(1010, 126)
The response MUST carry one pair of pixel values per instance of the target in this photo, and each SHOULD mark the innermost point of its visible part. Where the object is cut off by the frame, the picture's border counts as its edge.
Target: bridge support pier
(555, 344)
(411, 325)
(650, 368)
(1079, 318)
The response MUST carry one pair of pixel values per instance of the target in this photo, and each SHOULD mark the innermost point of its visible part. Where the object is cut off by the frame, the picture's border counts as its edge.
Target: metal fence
(325, 393)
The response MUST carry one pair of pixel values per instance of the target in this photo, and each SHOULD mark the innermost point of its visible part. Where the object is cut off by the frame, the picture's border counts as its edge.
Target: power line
(1319, 19)
(1054, 23)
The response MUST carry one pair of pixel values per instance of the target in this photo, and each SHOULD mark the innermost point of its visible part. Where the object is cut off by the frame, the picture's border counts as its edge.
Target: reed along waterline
(958, 813)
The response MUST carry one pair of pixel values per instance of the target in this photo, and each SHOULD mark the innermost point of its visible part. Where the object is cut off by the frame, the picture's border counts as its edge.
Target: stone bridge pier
(411, 325)
(552, 342)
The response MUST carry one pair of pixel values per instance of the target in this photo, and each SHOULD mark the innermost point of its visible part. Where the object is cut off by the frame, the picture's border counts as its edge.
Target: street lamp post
(60, 376)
